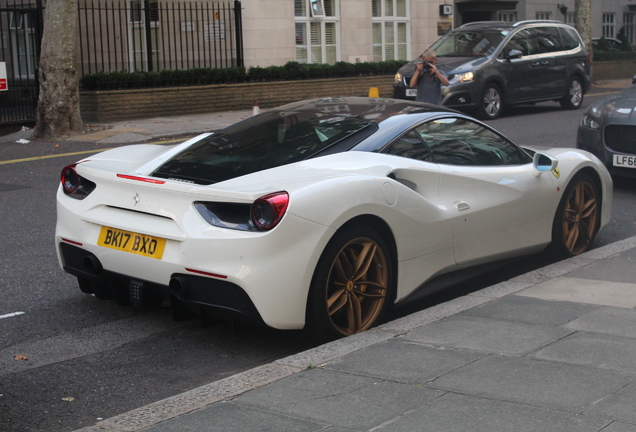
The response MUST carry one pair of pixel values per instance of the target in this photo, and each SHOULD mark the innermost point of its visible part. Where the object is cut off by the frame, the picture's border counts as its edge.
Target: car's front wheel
(577, 218)
(573, 98)
(352, 284)
(490, 103)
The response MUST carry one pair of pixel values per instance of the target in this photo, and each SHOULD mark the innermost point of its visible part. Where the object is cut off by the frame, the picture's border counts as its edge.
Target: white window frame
(544, 15)
(508, 16)
(609, 24)
(385, 21)
(315, 17)
(137, 58)
(570, 17)
(629, 22)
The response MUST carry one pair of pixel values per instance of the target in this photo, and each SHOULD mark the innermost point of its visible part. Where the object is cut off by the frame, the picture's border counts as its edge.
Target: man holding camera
(428, 79)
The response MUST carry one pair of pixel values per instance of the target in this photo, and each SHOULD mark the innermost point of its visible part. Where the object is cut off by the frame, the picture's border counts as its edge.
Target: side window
(570, 39)
(459, 141)
(520, 41)
(410, 146)
(546, 40)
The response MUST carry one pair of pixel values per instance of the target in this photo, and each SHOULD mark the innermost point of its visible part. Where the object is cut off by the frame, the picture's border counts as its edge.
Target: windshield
(468, 43)
(269, 140)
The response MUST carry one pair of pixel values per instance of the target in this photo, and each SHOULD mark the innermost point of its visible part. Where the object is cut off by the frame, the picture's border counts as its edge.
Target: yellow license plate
(131, 242)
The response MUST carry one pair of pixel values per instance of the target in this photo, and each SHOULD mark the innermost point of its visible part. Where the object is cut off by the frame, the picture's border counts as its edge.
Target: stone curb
(229, 388)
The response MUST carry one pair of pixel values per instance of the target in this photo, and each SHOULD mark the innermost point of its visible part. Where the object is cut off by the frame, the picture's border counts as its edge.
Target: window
(317, 31)
(569, 18)
(609, 25)
(410, 146)
(544, 15)
(629, 24)
(390, 26)
(508, 16)
(458, 141)
(546, 40)
(570, 39)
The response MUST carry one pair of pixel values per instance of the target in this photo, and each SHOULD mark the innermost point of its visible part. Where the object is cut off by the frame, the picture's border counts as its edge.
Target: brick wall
(609, 70)
(118, 105)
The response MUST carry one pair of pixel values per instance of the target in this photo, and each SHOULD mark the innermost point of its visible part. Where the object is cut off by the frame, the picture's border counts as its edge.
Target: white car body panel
(442, 218)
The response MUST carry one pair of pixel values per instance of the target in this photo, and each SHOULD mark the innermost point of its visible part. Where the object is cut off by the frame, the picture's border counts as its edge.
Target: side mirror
(514, 54)
(542, 163)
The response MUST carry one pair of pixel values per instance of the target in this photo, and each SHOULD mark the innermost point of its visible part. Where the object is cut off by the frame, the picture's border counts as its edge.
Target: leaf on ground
(68, 399)
(20, 357)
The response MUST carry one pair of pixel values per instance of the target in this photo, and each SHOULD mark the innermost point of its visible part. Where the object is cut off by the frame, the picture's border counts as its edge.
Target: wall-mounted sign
(445, 9)
(444, 27)
(3, 76)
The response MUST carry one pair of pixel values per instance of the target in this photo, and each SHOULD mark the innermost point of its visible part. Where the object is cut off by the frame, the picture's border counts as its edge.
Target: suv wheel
(490, 103)
(574, 96)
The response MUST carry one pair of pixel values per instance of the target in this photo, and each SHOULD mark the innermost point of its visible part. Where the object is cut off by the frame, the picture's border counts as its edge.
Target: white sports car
(319, 214)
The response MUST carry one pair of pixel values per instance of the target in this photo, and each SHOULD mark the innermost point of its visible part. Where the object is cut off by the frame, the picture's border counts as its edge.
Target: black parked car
(608, 129)
(493, 64)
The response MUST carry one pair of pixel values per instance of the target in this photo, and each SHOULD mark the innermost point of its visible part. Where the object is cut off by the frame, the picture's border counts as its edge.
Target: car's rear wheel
(577, 218)
(573, 98)
(490, 103)
(352, 284)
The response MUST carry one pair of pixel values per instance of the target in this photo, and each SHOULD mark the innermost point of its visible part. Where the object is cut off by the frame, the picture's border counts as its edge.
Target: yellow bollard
(374, 92)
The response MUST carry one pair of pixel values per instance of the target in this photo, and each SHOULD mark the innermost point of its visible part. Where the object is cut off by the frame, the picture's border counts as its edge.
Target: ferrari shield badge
(557, 172)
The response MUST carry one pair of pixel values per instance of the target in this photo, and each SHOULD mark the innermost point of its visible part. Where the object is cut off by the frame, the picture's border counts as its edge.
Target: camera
(427, 64)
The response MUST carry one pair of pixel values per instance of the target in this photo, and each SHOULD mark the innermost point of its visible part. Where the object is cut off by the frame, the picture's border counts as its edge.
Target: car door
(489, 190)
(551, 60)
(520, 74)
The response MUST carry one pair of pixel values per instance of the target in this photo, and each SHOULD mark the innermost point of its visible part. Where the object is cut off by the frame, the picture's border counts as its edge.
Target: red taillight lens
(268, 210)
(75, 185)
(70, 179)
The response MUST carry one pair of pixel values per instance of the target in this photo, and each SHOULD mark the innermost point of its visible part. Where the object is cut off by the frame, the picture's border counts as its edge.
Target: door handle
(461, 205)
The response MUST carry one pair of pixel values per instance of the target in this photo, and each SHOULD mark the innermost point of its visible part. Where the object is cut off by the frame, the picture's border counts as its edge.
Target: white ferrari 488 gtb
(319, 214)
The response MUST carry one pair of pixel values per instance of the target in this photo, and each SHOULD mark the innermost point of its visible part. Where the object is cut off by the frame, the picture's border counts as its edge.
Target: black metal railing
(20, 38)
(150, 35)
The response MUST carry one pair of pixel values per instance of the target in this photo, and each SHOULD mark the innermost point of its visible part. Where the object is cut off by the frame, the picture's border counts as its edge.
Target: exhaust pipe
(91, 264)
(179, 286)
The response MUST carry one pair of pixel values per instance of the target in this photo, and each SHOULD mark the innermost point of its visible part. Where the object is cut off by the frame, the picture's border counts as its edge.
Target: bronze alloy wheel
(357, 286)
(580, 217)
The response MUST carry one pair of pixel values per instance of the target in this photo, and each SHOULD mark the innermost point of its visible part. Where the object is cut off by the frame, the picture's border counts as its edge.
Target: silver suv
(492, 64)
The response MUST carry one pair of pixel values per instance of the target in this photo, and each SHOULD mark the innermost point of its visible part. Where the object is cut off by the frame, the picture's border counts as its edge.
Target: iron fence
(20, 37)
(147, 35)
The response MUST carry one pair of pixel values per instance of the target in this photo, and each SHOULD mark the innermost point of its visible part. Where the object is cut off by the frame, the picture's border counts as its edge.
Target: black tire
(573, 98)
(577, 218)
(352, 285)
(490, 103)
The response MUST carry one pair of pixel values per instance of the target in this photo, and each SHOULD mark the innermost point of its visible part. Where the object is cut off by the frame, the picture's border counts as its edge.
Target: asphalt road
(68, 359)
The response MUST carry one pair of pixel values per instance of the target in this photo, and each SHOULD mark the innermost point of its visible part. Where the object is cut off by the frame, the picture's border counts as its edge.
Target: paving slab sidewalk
(540, 352)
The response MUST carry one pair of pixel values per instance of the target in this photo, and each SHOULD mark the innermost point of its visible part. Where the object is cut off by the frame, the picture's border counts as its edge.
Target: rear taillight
(75, 185)
(268, 210)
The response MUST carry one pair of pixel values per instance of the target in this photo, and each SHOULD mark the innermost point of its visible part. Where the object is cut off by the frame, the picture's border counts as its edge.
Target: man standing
(428, 79)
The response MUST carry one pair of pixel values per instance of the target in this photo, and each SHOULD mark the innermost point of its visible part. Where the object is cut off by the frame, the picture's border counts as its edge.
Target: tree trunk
(58, 112)
(583, 21)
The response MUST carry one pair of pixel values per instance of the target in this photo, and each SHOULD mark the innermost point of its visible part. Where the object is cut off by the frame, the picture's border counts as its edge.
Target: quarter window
(317, 31)
(390, 24)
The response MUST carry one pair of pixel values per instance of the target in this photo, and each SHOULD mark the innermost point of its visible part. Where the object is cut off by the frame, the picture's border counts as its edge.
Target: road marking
(11, 315)
(79, 153)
